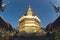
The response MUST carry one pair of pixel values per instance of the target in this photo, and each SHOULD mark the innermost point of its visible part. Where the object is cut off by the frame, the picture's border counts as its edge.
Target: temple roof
(5, 24)
(53, 25)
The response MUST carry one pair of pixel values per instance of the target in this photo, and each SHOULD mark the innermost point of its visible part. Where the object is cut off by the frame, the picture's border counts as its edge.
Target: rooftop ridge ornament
(2, 6)
(56, 8)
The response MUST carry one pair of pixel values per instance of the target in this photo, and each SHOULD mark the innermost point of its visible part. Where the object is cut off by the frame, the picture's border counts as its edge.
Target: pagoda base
(39, 33)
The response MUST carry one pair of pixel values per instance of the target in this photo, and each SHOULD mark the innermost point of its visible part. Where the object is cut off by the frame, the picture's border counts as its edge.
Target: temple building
(29, 22)
(54, 25)
(5, 25)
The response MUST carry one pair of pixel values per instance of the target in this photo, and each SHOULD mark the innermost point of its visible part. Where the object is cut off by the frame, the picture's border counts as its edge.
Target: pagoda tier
(29, 22)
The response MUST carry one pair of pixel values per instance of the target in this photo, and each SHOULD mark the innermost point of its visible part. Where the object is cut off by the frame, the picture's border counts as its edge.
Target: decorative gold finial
(29, 8)
(29, 11)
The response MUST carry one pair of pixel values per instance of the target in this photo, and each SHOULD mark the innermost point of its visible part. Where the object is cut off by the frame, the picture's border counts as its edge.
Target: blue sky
(41, 8)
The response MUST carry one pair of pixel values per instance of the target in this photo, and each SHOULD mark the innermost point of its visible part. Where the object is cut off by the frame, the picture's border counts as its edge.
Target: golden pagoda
(29, 22)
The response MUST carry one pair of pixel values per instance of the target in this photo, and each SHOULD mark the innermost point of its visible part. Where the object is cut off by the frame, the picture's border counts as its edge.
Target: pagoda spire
(29, 8)
(29, 11)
